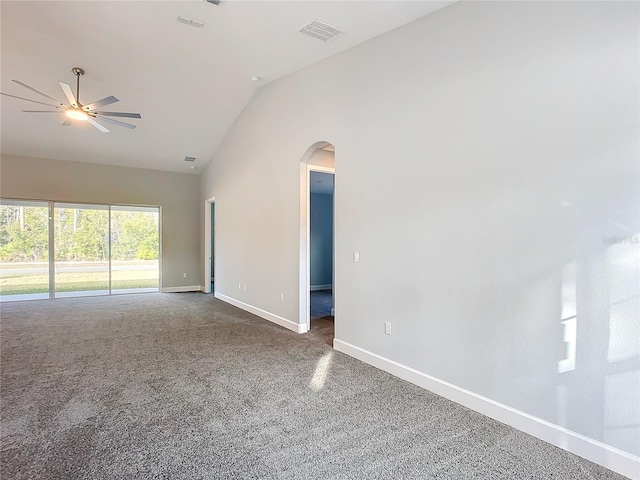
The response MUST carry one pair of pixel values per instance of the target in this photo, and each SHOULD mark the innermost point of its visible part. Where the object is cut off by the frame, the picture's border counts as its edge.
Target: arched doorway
(317, 236)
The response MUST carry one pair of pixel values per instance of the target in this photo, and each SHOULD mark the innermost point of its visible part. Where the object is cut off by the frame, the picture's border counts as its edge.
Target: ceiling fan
(75, 110)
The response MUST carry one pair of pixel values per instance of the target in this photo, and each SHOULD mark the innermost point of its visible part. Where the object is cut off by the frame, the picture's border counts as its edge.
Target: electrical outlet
(245, 287)
(184, 275)
(282, 297)
(387, 328)
(356, 257)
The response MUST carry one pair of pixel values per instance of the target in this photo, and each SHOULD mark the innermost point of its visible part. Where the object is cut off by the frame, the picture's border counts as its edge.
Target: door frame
(207, 243)
(305, 241)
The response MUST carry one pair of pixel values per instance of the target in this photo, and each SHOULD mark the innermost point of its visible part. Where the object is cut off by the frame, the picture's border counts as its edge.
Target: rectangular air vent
(189, 159)
(321, 31)
(191, 21)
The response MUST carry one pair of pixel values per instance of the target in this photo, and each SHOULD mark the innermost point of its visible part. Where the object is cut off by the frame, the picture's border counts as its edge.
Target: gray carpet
(183, 386)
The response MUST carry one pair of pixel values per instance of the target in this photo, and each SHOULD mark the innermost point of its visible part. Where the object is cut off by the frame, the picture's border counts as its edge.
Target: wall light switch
(356, 257)
(184, 275)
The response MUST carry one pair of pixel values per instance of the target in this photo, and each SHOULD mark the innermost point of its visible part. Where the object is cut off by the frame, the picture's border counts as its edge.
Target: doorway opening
(209, 245)
(321, 243)
(317, 240)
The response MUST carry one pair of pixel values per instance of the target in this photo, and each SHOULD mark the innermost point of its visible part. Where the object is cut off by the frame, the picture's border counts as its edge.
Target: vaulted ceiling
(188, 83)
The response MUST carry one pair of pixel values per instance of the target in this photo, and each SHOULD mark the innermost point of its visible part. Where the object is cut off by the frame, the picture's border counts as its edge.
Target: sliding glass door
(24, 250)
(135, 248)
(59, 250)
(81, 249)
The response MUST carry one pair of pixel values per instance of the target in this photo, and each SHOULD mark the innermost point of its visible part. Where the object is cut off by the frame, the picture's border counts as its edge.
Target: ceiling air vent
(189, 159)
(321, 31)
(191, 21)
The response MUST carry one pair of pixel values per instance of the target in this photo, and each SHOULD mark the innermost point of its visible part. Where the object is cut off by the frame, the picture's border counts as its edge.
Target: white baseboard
(272, 317)
(597, 452)
(187, 288)
(314, 288)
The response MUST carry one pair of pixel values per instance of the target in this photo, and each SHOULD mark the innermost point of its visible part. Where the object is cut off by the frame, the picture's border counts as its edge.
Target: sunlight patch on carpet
(321, 373)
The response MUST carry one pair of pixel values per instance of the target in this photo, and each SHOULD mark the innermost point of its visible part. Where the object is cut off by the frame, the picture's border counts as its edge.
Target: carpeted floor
(321, 302)
(184, 386)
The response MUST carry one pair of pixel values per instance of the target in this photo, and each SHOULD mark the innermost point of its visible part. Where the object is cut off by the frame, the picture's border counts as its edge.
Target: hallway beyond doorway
(321, 302)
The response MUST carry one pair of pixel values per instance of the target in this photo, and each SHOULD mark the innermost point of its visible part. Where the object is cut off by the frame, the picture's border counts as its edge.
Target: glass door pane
(81, 239)
(135, 249)
(24, 250)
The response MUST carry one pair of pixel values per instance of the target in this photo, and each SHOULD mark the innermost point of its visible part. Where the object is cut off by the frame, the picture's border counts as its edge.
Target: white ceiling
(188, 83)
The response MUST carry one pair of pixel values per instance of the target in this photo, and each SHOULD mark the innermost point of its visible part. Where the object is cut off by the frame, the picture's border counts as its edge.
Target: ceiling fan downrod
(78, 72)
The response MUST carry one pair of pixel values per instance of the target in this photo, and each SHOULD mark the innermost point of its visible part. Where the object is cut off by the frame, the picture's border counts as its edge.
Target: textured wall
(505, 135)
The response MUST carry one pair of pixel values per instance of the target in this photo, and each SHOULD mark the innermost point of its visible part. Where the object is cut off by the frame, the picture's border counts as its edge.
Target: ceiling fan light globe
(77, 115)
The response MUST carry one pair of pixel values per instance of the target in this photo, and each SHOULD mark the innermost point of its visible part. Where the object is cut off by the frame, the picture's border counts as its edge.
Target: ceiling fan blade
(119, 114)
(69, 94)
(97, 125)
(40, 111)
(117, 122)
(29, 100)
(66, 123)
(37, 91)
(101, 103)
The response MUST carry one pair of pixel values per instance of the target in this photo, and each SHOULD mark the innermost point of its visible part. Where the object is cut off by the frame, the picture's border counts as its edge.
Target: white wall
(505, 135)
(176, 193)
(322, 158)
